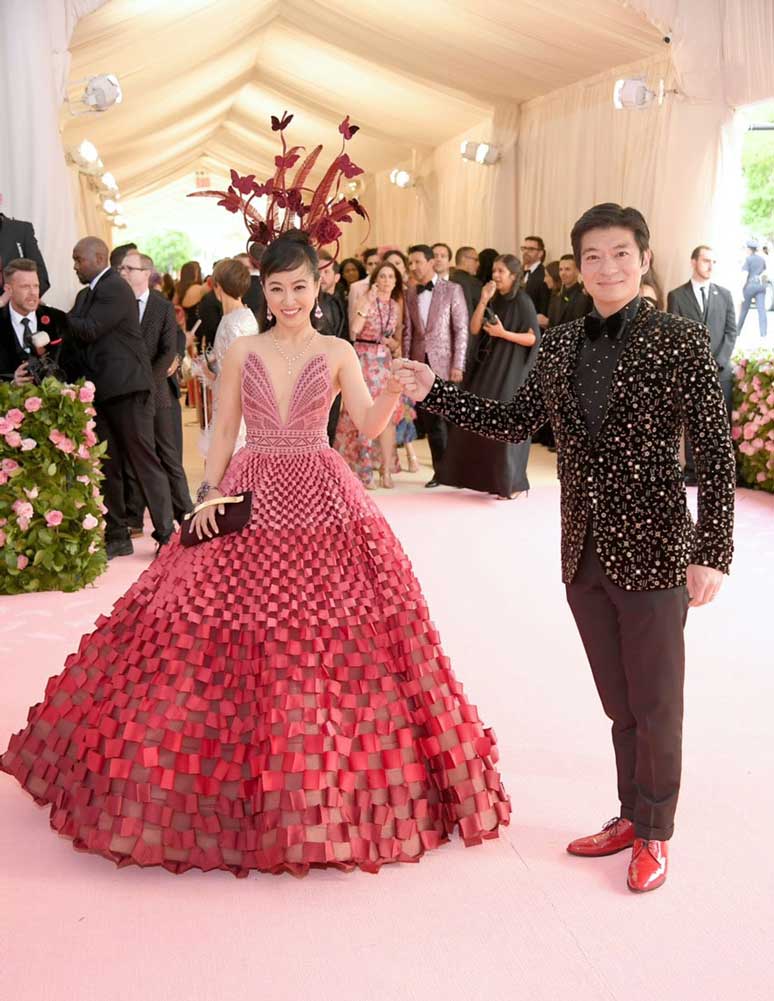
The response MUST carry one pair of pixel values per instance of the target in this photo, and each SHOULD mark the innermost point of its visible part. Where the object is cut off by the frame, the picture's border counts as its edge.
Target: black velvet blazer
(627, 481)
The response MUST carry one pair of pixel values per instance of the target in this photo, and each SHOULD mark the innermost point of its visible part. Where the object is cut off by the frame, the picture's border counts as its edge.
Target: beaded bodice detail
(303, 428)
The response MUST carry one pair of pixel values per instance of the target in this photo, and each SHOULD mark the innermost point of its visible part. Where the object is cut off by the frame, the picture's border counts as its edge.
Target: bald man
(105, 323)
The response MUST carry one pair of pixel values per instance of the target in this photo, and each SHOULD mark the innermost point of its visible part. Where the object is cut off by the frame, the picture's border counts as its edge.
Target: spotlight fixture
(86, 158)
(402, 178)
(110, 206)
(633, 92)
(109, 181)
(483, 153)
(100, 94)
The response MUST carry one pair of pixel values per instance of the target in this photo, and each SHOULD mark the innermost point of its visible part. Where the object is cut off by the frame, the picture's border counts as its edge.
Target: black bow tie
(425, 288)
(596, 325)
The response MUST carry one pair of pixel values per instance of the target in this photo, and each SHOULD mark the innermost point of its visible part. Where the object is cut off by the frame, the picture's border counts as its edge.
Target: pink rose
(761, 477)
(90, 438)
(3, 478)
(55, 436)
(736, 433)
(9, 465)
(32, 493)
(757, 444)
(28, 444)
(23, 509)
(93, 548)
(744, 408)
(770, 399)
(21, 562)
(2, 538)
(70, 393)
(86, 393)
(744, 387)
(33, 404)
(89, 522)
(13, 438)
(749, 431)
(83, 452)
(3, 522)
(16, 417)
(755, 397)
(102, 509)
(5, 425)
(745, 449)
(54, 518)
(83, 479)
(769, 446)
(91, 411)
(734, 415)
(24, 523)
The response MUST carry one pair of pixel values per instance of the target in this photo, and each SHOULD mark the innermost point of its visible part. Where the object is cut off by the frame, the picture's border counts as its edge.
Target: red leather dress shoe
(648, 867)
(615, 836)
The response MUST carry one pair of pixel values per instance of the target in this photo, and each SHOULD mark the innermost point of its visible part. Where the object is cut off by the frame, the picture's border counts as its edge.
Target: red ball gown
(275, 699)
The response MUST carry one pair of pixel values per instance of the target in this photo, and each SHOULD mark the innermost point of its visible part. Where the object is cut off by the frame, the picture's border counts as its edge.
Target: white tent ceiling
(202, 77)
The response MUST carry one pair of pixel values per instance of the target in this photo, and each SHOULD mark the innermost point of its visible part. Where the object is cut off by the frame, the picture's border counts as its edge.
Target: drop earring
(318, 313)
(269, 315)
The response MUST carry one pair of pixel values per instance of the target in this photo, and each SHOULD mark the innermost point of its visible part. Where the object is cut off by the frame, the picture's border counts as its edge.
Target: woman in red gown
(275, 698)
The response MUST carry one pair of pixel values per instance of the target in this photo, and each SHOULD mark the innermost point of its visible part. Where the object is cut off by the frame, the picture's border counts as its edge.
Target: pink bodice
(304, 428)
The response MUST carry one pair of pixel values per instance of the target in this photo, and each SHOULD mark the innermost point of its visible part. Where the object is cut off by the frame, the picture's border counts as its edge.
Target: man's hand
(455, 375)
(21, 376)
(703, 584)
(542, 321)
(417, 379)
(174, 366)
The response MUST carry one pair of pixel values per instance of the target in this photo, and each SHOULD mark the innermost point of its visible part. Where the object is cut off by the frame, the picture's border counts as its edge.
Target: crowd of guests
(477, 317)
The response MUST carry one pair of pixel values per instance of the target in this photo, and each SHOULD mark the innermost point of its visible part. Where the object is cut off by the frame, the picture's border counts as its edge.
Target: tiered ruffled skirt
(275, 699)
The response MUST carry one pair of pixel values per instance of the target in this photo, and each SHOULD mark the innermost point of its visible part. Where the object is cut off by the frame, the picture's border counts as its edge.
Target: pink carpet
(515, 918)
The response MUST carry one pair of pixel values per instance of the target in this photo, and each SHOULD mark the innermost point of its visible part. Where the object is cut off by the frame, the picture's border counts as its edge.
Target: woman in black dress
(505, 339)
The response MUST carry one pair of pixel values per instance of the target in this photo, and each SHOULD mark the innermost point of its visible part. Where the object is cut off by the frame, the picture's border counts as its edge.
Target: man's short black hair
(446, 247)
(422, 248)
(117, 254)
(606, 216)
(369, 252)
(567, 257)
(697, 250)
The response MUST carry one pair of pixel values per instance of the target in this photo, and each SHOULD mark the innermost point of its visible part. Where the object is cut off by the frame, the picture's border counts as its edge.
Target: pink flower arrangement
(16, 417)
(13, 438)
(22, 562)
(54, 518)
(69, 393)
(89, 522)
(86, 393)
(32, 404)
(9, 465)
(28, 444)
(753, 419)
(22, 508)
(62, 442)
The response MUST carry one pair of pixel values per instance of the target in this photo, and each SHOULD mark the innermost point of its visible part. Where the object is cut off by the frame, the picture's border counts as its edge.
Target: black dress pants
(126, 424)
(437, 431)
(168, 435)
(634, 642)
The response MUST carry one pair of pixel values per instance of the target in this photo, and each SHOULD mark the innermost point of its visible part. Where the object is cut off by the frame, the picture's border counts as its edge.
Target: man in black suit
(334, 322)
(701, 299)
(22, 318)
(619, 387)
(464, 274)
(533, 254)
(17, 240)
(105, 322)
(570, 302)
(254, 298)
(160, 333)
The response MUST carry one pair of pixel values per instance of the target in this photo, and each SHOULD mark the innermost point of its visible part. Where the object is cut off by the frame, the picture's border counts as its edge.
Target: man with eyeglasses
(160, 332)
(701, 299)
(105, 323)
(533, 254)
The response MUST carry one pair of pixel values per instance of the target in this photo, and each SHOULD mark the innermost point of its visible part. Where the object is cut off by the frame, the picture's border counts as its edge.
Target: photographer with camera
(31, 335)
(505, 335)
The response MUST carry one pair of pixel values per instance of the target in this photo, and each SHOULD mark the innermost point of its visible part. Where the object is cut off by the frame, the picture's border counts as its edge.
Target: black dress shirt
(597, 362)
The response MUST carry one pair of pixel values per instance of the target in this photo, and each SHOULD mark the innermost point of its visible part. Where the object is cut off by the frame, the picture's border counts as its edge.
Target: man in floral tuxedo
(619, 387)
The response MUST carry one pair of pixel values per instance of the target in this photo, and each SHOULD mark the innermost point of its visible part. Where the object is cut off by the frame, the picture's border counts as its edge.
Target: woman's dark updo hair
(289, 251)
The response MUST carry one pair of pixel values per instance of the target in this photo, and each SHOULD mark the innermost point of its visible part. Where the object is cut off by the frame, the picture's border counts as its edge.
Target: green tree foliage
(169, 249)
(758, 167)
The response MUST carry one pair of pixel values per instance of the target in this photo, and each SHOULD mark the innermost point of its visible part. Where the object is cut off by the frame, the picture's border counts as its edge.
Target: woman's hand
(487, 292)
(204, 523)
(495, 329)
(393, 346)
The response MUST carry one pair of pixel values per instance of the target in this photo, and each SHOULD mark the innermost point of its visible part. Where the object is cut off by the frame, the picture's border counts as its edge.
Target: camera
(489, 315)
(41, 365)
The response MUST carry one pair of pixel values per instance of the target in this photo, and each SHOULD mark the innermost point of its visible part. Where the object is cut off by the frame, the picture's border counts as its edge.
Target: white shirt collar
(16, 323)
(705, 284)
(534, 267)
(94, 281)
(144, 297)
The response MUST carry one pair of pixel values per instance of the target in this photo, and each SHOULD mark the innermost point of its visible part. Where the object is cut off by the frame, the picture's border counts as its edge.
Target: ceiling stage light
(401, 178)
(483, 153)
(634, 93)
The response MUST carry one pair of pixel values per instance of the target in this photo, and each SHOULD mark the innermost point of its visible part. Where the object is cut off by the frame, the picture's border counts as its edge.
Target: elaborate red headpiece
(321, 210)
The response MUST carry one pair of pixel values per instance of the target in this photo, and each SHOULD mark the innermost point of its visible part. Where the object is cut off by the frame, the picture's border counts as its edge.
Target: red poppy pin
(45, 320)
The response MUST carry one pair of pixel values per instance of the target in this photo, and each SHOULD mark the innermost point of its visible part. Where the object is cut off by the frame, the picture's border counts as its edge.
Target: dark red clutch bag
(234, 518)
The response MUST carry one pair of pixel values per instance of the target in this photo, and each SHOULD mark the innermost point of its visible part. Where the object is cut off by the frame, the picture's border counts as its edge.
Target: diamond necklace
(291, 360)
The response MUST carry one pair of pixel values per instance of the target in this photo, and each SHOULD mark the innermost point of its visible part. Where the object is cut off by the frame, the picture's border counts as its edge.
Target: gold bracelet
(213, 502)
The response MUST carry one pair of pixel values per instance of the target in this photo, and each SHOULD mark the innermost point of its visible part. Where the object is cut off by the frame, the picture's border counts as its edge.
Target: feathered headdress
(321, 210)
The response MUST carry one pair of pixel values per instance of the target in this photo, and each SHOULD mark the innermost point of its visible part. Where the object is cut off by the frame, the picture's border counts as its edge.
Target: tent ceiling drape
(201, 78)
